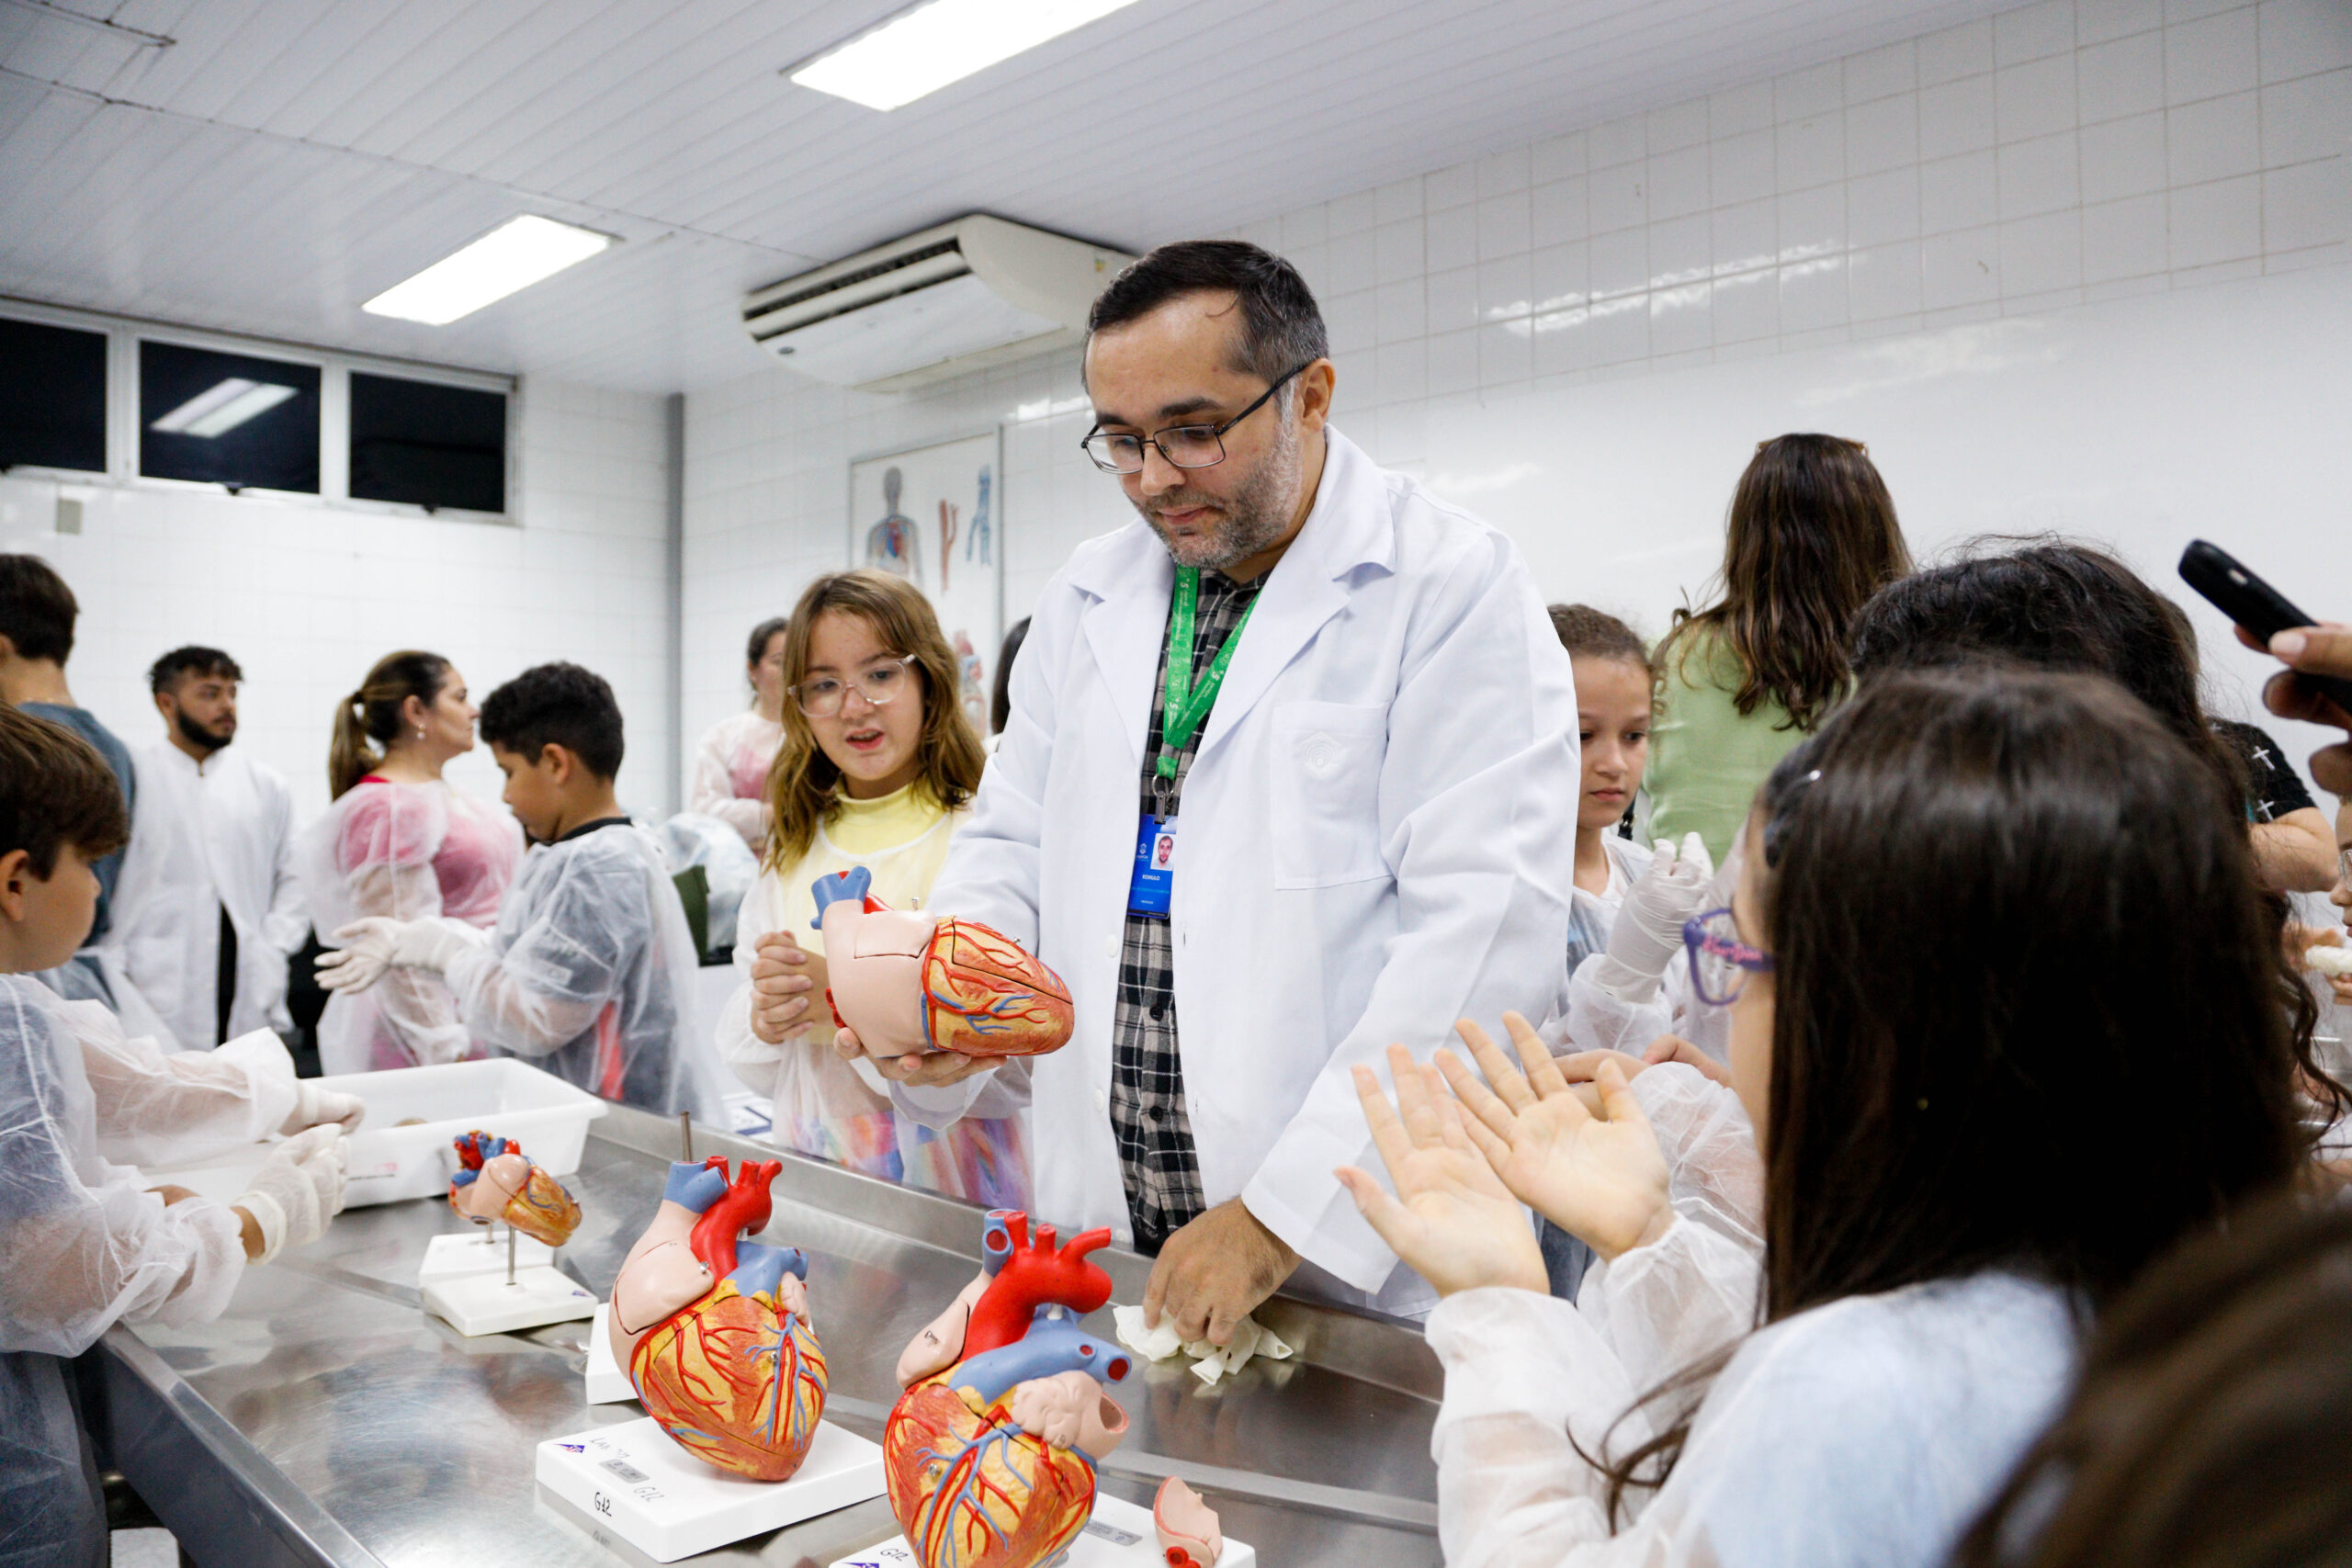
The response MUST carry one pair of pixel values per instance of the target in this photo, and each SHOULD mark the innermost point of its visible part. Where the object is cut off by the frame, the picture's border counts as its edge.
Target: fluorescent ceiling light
(221, 407)
(514, 255)
(945, 42)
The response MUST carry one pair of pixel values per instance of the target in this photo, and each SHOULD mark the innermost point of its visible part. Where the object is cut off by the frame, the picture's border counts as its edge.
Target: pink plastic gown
(410, 852)
(731, 773)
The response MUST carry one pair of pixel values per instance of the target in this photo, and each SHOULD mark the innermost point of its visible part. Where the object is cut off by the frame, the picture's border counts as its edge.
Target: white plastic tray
(390, 1162)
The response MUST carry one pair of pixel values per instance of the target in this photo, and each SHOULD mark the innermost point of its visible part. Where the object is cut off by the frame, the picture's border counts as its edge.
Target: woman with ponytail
(399, 841)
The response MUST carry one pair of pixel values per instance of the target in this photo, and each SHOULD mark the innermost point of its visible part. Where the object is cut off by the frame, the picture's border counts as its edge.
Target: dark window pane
(227, 419)
(427, 445)
(52, 397)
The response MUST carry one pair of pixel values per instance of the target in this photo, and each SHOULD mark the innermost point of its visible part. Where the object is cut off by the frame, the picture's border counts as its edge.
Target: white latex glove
(366, 953)
(317, 1107)
(1649, 930)
(298, 1189)
(433, 944)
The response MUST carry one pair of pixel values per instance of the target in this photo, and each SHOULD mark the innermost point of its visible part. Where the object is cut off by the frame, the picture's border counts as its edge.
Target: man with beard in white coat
(1292, 758)
(207, 913)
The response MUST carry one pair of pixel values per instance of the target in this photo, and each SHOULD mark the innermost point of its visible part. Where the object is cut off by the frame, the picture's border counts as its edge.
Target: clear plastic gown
(731, 774)
(85, 1248)
(411, 852)
(158, 1110)
(588, 975)
(1863, 1434)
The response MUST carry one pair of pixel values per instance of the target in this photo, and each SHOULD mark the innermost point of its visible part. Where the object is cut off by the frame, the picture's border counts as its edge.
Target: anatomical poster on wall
(934, 516)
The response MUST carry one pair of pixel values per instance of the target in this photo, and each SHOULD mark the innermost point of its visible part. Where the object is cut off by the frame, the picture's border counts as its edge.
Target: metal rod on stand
(510, 1255)
(686, 1137)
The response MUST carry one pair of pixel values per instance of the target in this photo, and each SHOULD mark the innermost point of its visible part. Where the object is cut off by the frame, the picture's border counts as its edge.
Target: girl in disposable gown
(2012, 1022)
(400, 842)
(732, 762)
(878, 768)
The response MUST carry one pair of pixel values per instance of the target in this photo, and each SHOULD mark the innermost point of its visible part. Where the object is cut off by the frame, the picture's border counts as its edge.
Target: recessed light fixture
(946, 40)
(221, 407)
(514, 255)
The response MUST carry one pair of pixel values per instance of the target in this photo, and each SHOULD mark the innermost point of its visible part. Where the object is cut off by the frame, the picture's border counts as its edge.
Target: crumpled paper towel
(1210, 1362)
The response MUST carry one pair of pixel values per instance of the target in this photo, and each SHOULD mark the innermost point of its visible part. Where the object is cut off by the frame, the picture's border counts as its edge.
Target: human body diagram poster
(934, 515)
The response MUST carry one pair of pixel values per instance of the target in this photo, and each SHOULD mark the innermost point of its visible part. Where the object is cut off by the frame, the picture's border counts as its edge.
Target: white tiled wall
(2053, 155)
(307, 596)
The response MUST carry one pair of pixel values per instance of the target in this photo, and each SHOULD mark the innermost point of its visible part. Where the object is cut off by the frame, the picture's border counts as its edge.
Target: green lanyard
(1184, 706)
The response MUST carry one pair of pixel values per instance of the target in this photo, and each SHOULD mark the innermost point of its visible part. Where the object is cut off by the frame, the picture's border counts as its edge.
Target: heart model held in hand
(989, 1454)
(496, 1185)
(904, 982)
(714, 1330)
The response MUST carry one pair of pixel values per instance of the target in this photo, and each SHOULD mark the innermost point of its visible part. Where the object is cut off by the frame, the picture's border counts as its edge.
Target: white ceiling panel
(279, 161)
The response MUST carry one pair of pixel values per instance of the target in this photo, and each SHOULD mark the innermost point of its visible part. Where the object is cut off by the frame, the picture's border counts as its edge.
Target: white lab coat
(205, 838)
(1377, 837)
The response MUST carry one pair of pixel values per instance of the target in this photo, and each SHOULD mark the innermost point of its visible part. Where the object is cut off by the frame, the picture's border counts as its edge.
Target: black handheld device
(2253, 604)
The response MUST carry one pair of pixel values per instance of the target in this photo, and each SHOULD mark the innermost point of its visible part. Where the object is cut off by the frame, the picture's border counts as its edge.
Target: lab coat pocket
(1326, 792)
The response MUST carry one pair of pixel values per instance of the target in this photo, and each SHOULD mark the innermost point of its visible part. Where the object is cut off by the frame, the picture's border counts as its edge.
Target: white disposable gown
(1591, 916)
(1866, 1433)
(207, 838)
(588, 975)
(410, 852)
(731, 774)
(158, 1109)
(85, 1248)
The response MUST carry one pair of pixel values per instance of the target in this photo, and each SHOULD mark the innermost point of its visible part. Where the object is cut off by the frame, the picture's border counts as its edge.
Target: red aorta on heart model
(495, 1185)
(714, 1330)
(989, 1454)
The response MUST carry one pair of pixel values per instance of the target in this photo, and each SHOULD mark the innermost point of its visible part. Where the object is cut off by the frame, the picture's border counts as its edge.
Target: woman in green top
(1812, 534)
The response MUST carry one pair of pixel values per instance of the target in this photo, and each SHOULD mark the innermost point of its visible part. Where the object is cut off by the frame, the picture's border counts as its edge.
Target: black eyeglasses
(1184, 446)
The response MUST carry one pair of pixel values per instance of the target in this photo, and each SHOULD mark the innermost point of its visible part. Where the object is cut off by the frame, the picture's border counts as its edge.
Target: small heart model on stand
(496, 1185)
(480, 1287)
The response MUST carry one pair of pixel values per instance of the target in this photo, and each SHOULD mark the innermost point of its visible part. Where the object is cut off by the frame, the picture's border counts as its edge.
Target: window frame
(124, 333)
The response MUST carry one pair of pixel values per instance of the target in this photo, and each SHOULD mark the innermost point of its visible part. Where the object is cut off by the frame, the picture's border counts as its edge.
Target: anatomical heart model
(496, 1185)
(989, 1454)
(714, 1330)
(905, 982)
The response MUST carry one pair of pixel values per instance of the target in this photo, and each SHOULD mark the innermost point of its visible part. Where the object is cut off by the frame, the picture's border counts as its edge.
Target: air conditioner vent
(938, 303)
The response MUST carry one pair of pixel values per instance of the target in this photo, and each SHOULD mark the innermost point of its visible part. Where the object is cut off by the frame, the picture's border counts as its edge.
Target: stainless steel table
(325, 1419)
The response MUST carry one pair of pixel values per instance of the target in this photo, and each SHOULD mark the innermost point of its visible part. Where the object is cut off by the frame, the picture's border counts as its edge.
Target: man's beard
(1253, 517)
(200, 738)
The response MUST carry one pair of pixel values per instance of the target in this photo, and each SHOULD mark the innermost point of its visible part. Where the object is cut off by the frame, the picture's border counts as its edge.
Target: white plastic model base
(1118, 1536)
(481, 1252)
(634, 1481)
(489, 1303)
(607, 1384)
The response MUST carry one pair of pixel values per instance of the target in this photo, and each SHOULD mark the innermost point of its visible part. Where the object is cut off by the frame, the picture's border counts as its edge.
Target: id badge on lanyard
(1155, 875)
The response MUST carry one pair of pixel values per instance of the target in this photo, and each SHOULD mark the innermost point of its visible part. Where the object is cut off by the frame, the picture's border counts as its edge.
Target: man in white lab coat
(207, 912)
(1294, 759)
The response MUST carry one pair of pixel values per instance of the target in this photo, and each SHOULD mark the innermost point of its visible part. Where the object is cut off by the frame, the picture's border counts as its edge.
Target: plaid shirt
(1147, 1119)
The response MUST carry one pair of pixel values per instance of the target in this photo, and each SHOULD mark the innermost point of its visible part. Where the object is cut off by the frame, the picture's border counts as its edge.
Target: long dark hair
(2026, 1017)
(2053, 603)
(2207, 1426)
(2048, 604)
(372, 714)
(1812, 534)
(803, 781)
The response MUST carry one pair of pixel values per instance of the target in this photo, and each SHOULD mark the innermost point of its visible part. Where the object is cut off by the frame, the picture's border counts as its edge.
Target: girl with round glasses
(877, 769)
(2007, 1016)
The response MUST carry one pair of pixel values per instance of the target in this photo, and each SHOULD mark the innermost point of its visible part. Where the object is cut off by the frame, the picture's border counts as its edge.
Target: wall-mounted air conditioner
(975, 292)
